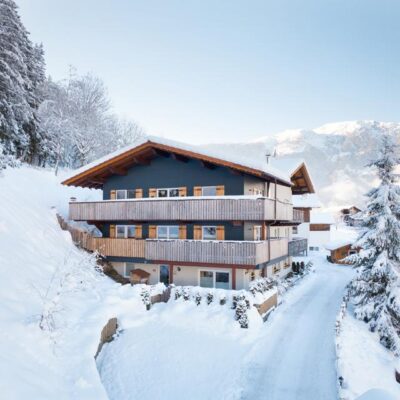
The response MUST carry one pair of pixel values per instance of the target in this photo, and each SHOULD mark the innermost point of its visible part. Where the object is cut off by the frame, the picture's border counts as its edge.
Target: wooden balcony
(298, 215)
(117, 247)
(221, 208)
(298, 246)
(218, 252)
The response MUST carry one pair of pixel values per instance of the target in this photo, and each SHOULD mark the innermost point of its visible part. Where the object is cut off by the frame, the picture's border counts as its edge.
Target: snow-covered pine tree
(21, 73)
(375, 289)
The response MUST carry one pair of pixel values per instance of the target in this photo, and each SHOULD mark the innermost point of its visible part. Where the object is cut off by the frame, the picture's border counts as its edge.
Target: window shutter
(182, 231)
(182, 192)
(221, 190)
(152, 232)
(138, 232)
(113, 194)
(138, 193)
(220, 232)
(197, 232)
(152, 192)
(197, 191)
(112, 231)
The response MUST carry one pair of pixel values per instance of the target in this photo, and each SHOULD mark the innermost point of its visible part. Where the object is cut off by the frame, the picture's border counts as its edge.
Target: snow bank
(43, 274)
(364, 363)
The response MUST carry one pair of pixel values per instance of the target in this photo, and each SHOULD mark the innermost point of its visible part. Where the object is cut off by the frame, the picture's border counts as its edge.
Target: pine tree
(21, 74)
(375, 289)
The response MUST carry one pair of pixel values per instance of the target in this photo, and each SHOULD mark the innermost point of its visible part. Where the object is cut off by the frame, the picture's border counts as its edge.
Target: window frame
(208, 226)
(208, 187)
(259, 229)
(168, 232)
(168, 191)
(214, 272)
(125, 231)
(125, 194)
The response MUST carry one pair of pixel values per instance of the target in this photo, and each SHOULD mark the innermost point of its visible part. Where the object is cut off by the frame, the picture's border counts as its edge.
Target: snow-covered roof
(288, 165)
(317, 217)
(239, 160)
(307, 200)
(337, 244)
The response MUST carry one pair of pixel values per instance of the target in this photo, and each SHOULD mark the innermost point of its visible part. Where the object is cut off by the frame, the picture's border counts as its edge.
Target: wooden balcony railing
(298, 215)
(221, 208)
(219, 252)
(298, 246)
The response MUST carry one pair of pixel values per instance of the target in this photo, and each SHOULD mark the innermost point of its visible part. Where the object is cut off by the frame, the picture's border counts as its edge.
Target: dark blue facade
(231, 232)
(166, 172)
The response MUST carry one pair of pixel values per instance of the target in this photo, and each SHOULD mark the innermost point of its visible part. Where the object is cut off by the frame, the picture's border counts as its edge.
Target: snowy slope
(35, 256)
(336, 154)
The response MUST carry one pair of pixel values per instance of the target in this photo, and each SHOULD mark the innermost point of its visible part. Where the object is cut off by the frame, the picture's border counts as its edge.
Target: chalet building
(174, 214)
(320, 229)
(352, 216)
(339, 250)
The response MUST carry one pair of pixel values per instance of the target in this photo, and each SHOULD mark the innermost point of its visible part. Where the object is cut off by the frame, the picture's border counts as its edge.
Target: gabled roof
(337, 244)
(299, 174)
(94, 174)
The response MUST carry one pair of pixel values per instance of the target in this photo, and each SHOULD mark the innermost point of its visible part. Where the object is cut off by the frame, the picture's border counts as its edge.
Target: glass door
(164, 274)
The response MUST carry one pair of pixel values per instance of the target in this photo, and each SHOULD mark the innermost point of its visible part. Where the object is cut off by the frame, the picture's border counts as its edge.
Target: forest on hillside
(46, 122)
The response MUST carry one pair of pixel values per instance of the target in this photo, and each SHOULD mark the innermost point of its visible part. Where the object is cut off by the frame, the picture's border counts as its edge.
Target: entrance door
(164, 274)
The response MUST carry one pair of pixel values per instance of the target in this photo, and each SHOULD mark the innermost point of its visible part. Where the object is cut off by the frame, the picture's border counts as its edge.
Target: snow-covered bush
(146, 298)
(198, 298)
(375, 289)
(210, 297)
(7, 160)
(241, 312)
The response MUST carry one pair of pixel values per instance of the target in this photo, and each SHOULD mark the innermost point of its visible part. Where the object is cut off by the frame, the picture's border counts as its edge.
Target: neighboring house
(189, 217)
(352, 216)
(304, 203)
(339, 250)
(320, 229)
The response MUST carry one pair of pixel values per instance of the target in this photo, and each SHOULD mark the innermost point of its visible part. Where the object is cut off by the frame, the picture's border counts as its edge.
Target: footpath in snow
(295, 359)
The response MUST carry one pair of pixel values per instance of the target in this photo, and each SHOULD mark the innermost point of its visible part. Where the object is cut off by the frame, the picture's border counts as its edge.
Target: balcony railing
(219, 252)
(221, 208)
(298, 215)
(298, 246)
(117, 247)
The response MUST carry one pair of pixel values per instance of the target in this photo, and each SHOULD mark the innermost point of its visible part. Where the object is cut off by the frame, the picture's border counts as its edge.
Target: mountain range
(336, 155)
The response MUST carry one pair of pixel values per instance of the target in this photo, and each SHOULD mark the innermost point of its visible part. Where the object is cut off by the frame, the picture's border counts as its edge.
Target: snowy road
(295, 359)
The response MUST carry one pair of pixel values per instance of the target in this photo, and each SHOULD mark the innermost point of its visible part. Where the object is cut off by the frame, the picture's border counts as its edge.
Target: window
(295, 230)
(217, 279)
(167, 232)
(209, 232)
(209, 191)
(125, 194)
(169, 192)
(126, 231)
(257, 233)
(222, 280)
(128, 268)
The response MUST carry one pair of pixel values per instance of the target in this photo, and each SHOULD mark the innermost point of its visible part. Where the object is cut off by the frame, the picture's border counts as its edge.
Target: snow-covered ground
(295, 357)
(41, 271)
(177, 350)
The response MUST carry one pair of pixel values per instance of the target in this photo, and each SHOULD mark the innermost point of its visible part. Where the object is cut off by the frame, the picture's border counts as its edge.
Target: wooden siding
(118, 247)
(298, 215)
(218, 252)
(183, 209)
(320, 227)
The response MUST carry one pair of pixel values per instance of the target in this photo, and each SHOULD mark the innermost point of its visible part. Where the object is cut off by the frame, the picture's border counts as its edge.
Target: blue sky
(210, 71)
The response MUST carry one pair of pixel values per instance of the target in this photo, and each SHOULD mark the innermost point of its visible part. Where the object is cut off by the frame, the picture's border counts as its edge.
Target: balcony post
(171, 274)
(233, 278)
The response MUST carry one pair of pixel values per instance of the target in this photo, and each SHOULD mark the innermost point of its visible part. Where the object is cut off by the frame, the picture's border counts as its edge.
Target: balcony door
(164, 274)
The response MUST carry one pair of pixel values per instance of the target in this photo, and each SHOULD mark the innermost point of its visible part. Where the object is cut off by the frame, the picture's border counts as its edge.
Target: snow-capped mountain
(336, 154)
